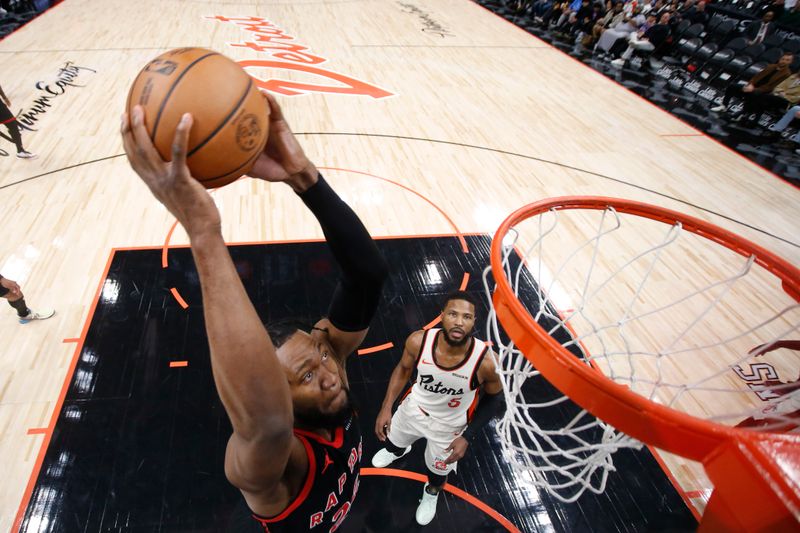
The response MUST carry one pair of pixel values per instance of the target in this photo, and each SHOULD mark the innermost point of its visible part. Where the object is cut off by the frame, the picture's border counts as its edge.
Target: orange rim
(649, 422)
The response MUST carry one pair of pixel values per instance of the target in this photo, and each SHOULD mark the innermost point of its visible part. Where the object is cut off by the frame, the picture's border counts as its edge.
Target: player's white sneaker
(41, 315)
(427, 507)
(384, 457)
(26, 155)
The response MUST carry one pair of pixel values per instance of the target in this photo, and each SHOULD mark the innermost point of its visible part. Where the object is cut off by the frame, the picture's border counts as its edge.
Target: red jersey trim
(338, 436)
(467, 355)
(422, 346)
(474, 377)
(300, 498)
(472, 407)
(408, 391)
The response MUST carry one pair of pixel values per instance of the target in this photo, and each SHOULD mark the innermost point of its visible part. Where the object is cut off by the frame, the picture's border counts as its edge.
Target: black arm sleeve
(363, 268)
(487, 408)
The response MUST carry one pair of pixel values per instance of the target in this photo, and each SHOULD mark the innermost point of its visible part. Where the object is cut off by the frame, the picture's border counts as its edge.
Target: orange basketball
(231, 117)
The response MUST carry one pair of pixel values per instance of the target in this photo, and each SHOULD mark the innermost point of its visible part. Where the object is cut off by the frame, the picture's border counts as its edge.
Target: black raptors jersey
(330, 486)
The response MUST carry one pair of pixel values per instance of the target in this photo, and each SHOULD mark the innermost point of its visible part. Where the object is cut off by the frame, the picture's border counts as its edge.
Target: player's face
(458, 320)
(319, 395)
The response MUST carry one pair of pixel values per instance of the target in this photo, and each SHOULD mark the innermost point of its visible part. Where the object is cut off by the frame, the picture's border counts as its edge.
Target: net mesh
(676, 317)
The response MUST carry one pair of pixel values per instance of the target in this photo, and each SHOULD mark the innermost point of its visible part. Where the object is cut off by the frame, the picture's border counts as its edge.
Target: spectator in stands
(609, 20)
(653, 7)
(620, 33)
(586, 23)
(575, 20)
(553, 14)
(776, 6)
(791, 18)
(697, 14)
(539, 8)
(762, 83)
(783, 123)
(758, 31)
(787, 92)
(647, 41)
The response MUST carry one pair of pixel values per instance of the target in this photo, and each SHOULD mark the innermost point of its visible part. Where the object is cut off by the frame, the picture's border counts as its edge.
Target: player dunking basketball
(296, 445)
(452, 367)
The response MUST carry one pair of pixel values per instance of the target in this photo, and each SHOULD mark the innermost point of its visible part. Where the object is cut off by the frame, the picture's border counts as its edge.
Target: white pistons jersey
(449, 395)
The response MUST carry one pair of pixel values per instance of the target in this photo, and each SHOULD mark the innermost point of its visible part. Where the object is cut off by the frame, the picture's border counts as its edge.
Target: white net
(677, 318)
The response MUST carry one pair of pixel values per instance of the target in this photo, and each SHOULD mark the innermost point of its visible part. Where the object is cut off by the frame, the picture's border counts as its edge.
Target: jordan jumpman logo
(327, 462)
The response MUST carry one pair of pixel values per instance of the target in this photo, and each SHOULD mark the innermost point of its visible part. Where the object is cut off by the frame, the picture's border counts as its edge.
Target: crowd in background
(617, 31)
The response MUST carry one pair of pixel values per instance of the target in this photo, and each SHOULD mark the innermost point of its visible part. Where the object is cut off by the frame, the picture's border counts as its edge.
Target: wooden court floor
(427, 117)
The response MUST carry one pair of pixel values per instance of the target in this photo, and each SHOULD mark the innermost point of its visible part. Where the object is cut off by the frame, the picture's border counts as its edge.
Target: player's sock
(19, 305)
(396, 450)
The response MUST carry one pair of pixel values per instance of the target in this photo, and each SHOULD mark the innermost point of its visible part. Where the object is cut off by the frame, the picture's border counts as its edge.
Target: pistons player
(296, 446)
(452, 367)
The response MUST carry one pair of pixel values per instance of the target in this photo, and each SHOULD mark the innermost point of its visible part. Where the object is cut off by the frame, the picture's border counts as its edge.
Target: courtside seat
(715, 64)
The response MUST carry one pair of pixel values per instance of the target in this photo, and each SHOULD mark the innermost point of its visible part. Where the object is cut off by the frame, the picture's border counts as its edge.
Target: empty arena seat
(732, 71)
(691, 32)
(771, 55)
(682, 26)
(752, 70)
(791, 45)
(737, 45)
(686, 48)
(715, 64)
(701, 57)
(774, 41)
(721, 32)
(754, 50)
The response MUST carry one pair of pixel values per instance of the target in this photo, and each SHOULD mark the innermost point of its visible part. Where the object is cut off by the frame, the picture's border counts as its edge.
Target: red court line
(37, 431)
(684, 495)
(57, 2)
(642, 98)
(178, 297)
(464, 282)
(393, 472)
(432, 323)
(26, 496)
(301, 241)
(70, 340)
(681, 135)
(178, 364)
(409, 189)
(365, 351)
(165, 248)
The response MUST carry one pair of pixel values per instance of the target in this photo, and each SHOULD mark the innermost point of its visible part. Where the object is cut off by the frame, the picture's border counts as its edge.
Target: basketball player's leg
(10, 122)
(16, 137)
(406, 429)
(13, 295)
(435, 456)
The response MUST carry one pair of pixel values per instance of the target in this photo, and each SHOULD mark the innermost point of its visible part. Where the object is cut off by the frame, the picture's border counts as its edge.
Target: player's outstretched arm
(249, 378)
(363, 268)
(400, 376)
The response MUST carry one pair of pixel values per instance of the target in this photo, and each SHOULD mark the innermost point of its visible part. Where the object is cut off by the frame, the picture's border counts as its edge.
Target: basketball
(231, 117)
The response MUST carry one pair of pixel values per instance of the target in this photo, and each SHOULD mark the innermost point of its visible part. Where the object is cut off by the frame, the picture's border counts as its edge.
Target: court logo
(287, 56)
(782, 413)
(48, 90)
(429, 25)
